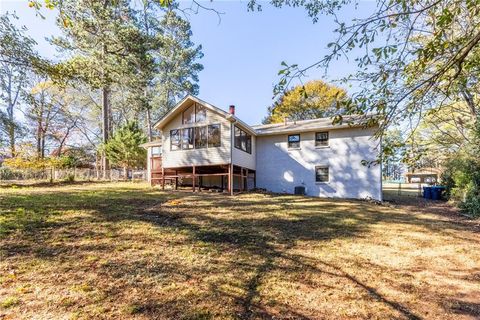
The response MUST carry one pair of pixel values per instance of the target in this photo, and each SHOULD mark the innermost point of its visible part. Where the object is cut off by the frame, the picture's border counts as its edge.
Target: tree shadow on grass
(270, 237)
(253, 237)
(459, 307)
(46, 184)
(31, 213)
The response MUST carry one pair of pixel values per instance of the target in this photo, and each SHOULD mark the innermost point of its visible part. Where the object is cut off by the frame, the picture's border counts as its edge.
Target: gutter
(299, 130)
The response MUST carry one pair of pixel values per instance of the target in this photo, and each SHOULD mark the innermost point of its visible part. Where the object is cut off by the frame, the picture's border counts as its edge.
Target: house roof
(424, 171)
(349, 121)
(267, 129)
(155, 143)
(189, 99)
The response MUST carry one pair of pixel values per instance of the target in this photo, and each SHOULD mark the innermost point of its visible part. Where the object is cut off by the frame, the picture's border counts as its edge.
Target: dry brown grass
(121, 251)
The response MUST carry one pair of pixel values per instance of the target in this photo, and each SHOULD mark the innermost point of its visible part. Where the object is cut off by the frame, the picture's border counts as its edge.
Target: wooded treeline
(121, 62)
(418, 65)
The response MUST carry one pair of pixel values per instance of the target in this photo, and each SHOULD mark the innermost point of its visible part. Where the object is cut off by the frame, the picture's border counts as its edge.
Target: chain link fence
(9, 175)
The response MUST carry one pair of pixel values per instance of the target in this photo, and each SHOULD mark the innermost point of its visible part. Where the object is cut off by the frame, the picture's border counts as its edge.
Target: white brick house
(205, 147)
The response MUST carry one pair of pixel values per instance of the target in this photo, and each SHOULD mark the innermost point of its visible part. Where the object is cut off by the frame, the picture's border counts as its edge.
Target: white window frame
(328, 173)
(299, 141)
(322, 145)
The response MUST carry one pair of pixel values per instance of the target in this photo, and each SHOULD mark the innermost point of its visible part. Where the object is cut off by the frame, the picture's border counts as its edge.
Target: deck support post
(176, 179)
(151, 170)
(193, 178)
(246, 180)
(163, 178)
(230, 179)
(242, 181)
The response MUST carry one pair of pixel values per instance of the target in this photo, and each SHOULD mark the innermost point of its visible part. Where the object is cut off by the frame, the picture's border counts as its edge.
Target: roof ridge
(303, 121)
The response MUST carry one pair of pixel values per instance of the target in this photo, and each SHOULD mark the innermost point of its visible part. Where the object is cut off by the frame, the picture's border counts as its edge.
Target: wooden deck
(195, 176)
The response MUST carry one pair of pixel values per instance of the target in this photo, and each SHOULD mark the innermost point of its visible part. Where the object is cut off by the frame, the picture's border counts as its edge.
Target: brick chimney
(231, 110)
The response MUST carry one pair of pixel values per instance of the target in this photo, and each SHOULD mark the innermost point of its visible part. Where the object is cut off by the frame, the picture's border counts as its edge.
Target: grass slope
(122, 251)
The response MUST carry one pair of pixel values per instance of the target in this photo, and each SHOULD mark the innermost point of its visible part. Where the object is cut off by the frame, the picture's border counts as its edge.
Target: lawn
(120, 251)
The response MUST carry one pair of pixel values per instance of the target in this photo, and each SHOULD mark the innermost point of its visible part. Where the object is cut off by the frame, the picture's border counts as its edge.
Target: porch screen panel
(214, 135)
(237, 134)
(242, 140)
(187, 138)
(200, 137)
(201, 113)
(175, 140)
(188, 115)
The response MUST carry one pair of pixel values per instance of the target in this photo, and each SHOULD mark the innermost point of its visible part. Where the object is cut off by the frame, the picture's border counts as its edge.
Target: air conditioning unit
(300, 190)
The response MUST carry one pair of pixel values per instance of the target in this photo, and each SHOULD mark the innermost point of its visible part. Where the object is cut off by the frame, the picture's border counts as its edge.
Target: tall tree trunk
(149, 125)
(11, 137)
(145, 90)
(468, 97)
(11, 130)
(40, 138)
(11, 120)
(42, 146)
(97, 165)
(105, 105)
(106, 127)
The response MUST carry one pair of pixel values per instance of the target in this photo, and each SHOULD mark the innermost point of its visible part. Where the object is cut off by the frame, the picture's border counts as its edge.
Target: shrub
(471, 205)
(462, 180)
(6, 174)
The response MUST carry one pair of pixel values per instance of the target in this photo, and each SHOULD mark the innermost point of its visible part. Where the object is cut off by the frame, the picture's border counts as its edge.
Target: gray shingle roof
(310, 125)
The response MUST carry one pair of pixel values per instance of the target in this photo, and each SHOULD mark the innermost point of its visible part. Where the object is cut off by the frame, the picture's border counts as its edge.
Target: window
(187, 138)
(195, 137)
(236, 137)
(214, 135)
(175, 140)
(156, 151)
(188, 115)
(200, 137)
(294, 141)
(194, 113)
(242, 140)
(321, 139)
(321, 174)
(200, 113)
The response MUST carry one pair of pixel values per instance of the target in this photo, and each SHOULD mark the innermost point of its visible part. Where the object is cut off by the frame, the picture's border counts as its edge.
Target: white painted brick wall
(280, 169)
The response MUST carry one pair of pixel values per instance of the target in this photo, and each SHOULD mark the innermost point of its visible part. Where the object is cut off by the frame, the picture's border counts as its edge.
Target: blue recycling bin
(427, 192)
(437, 192)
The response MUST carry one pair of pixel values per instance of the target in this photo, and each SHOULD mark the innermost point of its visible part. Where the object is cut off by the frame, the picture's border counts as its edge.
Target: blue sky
(243, 51)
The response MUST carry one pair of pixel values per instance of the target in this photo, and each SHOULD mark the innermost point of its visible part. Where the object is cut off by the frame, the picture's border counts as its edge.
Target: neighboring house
(208, 148)
(423, 175)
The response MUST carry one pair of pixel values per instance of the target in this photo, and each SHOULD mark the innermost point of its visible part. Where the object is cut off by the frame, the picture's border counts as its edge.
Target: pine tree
(123, 148)
(101, 39)
(177, 73)
(167, 61)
